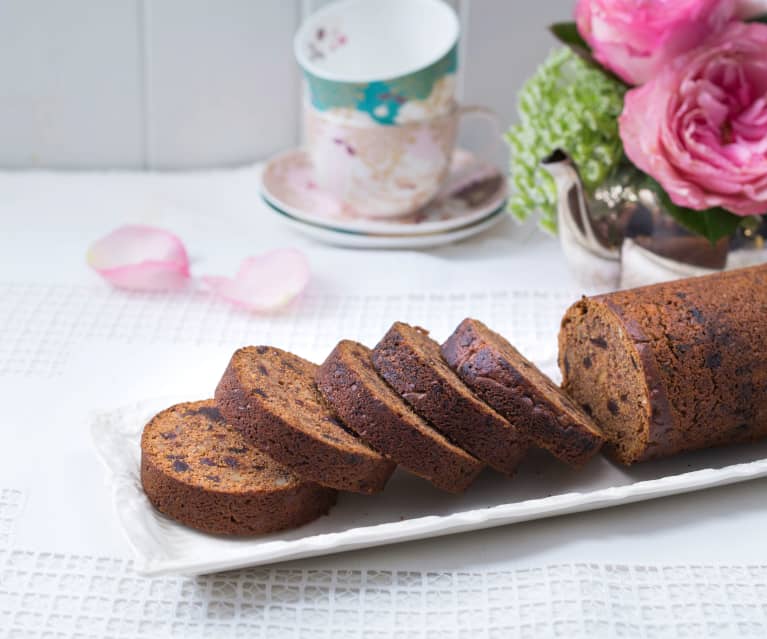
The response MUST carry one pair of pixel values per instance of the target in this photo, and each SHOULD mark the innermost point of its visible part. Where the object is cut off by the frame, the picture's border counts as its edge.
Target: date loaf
(671, 367)
(198, 470)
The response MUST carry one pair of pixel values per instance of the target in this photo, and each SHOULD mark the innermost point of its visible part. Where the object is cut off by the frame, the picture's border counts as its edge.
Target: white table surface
(47, 221)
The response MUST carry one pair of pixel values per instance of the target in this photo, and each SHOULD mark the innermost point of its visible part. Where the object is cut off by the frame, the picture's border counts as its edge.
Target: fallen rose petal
(264, 282)
(140, 258)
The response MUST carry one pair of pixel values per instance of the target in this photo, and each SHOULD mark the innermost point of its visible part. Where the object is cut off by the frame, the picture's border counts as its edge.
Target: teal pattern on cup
(383, 99)
(380, 62)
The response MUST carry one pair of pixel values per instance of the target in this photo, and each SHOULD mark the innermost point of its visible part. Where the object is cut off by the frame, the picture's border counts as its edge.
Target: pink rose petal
(264, 282)
(636, 39)
(140, 258)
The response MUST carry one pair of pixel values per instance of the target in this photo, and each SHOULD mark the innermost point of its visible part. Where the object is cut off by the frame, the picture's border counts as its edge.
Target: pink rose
(700, 126)
(636, 38)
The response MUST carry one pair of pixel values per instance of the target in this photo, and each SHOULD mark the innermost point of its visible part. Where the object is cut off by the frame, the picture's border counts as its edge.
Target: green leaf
(567, 33)
(713, 224)
(760, 18)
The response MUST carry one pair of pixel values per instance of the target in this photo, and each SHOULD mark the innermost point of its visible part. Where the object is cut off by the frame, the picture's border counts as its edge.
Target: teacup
(391, 61)
(384, 171)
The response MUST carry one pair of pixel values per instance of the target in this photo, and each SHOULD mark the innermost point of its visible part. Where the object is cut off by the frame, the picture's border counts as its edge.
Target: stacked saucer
(471, 200)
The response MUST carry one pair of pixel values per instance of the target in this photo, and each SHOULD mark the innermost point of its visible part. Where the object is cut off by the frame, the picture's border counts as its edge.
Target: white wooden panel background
(177, 84)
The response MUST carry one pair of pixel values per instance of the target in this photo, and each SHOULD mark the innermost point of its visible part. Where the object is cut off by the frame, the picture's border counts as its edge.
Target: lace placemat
(63, 595)
(68, 596)
(41, 326)
(10, 508)
(57, 595)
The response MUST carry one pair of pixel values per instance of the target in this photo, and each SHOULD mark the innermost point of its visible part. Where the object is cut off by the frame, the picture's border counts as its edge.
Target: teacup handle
(488, 115)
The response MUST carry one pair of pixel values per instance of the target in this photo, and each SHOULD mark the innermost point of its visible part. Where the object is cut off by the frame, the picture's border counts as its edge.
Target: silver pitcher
(620, 236)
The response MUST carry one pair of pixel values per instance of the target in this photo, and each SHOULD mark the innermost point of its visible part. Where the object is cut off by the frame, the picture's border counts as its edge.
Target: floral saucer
(355, 239)
(473, 191)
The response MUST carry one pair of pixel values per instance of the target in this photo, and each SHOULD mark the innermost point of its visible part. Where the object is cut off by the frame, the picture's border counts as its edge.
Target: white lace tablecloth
(688, 566)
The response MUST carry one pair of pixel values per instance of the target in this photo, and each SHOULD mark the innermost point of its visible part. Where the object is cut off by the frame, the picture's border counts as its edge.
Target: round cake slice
(198, 470)
(378, 415)
(411, 362)
(270, 396)
(518, 390)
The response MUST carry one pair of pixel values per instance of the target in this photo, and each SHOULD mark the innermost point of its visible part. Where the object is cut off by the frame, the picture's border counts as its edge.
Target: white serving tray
(408, 509)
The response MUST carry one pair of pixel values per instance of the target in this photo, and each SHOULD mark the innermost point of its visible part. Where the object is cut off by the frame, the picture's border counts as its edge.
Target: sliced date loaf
(198, 470)
(411, 362)
(270, 396)
(520, 392)
(378, 415)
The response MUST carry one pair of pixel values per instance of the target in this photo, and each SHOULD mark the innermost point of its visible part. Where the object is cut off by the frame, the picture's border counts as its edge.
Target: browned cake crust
(517, 389)
(199, 471)
(270, 396)
(671, 367)
(376, 413)
(411, 362)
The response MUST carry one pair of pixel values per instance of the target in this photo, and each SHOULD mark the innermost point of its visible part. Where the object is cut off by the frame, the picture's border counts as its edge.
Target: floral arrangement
(676, 89)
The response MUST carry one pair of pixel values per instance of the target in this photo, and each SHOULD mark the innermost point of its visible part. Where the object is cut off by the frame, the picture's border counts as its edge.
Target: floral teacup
(392, 61)
(384, 171)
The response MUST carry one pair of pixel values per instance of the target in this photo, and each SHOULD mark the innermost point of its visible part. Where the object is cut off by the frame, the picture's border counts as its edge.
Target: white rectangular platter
(408, 509)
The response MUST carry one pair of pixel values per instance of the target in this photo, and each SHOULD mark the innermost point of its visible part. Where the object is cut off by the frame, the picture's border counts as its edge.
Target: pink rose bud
(636, 38)
(700, 126)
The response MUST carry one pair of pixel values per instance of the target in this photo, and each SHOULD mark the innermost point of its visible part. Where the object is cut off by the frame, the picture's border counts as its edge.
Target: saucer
(356, 239)
(473, 191)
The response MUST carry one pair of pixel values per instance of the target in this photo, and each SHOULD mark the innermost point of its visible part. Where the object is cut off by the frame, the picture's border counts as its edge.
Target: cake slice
(411, 362)
(198, 470)
(270, 396)
(518, 390)
(378, 415)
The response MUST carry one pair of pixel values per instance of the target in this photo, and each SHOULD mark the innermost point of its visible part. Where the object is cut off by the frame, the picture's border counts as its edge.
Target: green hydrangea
(571, 105)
